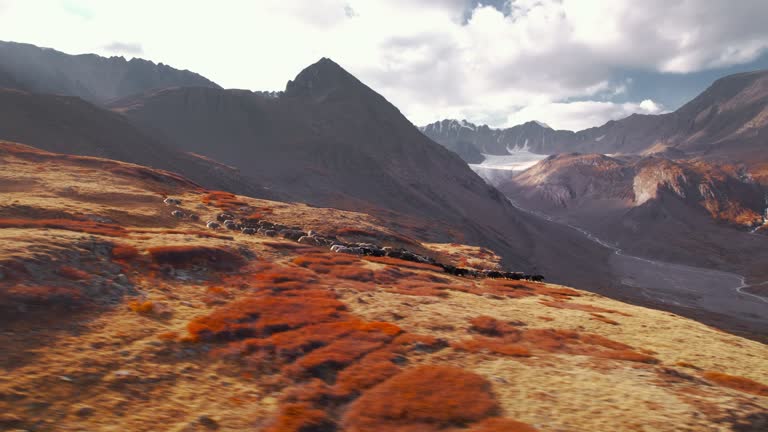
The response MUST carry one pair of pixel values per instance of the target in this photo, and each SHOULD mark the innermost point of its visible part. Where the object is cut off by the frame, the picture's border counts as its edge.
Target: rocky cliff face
(567, 178)
(727, 194)
(574, 180)
(90, 77)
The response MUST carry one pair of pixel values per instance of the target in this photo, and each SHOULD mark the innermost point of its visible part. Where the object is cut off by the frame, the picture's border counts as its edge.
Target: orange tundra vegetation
(67, 225)
(19, 297)
(337, 265)
(294, 326)
(300, 417)
(198, 233)
(72, 273)
(124, 252)
(423, 398)
(580, 307)
(187, 256)
(223, 200)
(509, 340)
(737, 383)
(143, 307)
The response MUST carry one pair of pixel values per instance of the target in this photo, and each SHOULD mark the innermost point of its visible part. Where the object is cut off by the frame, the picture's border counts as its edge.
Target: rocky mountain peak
(319, 80)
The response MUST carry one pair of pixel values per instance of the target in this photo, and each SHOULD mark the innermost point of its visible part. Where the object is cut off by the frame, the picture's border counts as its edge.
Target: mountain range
(685, 187)
(727, 122)
(327, 140)
(90, 77)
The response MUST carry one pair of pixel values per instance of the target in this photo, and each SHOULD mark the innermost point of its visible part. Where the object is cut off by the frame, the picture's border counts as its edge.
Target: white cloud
(124, 48)
(581, 115)
(428, 57)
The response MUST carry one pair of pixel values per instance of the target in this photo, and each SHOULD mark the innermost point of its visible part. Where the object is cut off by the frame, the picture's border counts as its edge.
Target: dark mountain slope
(70, 125)
(94, 78)
(330, 140)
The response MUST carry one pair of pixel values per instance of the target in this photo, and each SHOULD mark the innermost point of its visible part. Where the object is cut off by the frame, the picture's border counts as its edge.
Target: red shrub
(72, 273)
(490, 326)
(366, 373)
(324, 259)
(168, 336)
(17, 297)
(737, 383)
(504, 288)
(602, 318)
(355, 273)
(124, 252)
(325, 362)
(627, 355)
(509, 340)
(262, 316)
(578, 306)
(223, 200)
(197, 233)
(187, 256)
(144, 307)
(408, 341)
(424, 398)
(300, 417)
(492, 345)
(556, 292)
(287, 245)
(324, 263)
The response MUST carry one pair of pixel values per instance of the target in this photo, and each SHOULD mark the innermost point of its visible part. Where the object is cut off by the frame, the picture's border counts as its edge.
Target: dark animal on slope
(459, 271)
(177, 214)
(249, 231)
(292, 234)
(266, 225)
(221, 217)
(172, 201)
(213, 225)
(493, 274)
(448, 268)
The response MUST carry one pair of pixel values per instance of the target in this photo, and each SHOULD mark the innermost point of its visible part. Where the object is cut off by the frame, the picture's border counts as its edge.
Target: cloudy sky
(570, 63)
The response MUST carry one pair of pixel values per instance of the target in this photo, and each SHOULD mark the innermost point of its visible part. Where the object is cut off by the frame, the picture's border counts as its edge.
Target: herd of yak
(250, 226)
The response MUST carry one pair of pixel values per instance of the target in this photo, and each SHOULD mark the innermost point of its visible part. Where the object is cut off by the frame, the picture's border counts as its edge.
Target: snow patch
(517, 148)
(496, 168)
(600, 138)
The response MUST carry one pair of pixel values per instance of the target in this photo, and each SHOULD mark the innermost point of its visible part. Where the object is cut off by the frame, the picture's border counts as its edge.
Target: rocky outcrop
(584, 180)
